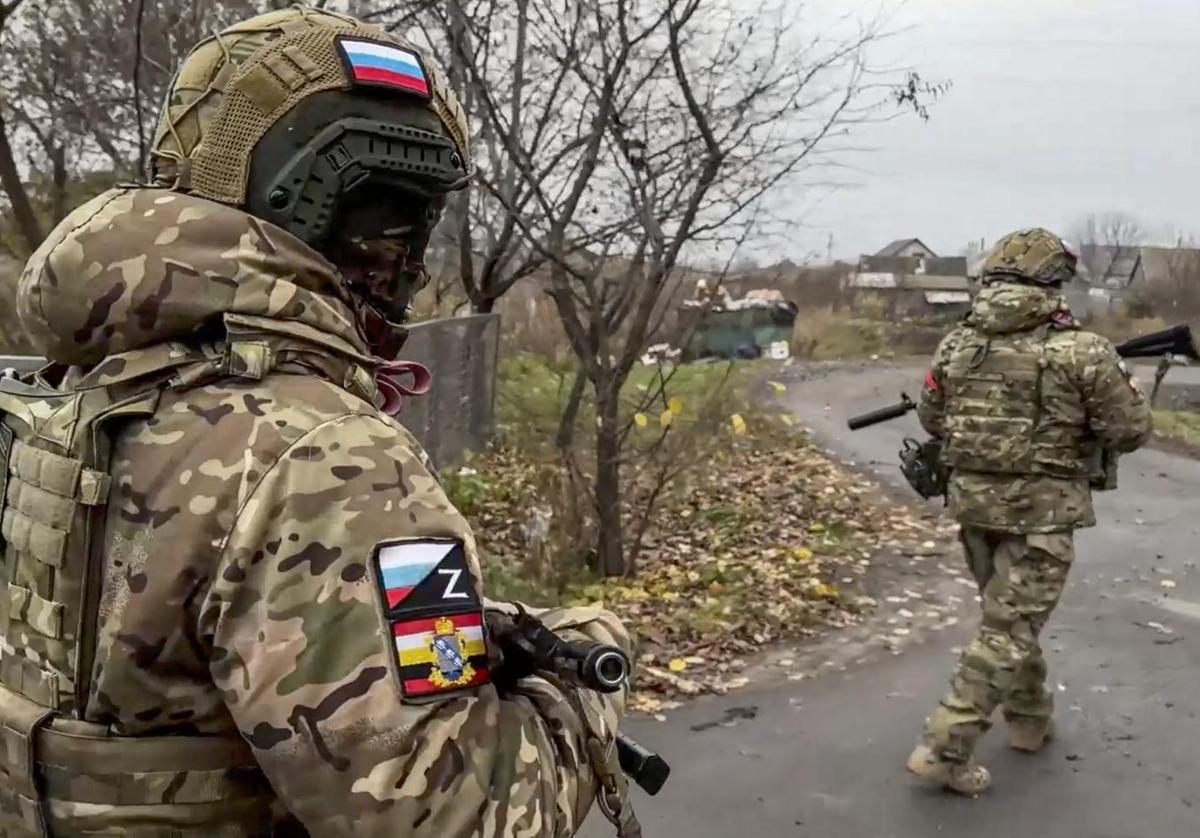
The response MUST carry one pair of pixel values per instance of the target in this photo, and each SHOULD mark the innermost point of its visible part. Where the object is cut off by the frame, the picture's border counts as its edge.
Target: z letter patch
(433, 614)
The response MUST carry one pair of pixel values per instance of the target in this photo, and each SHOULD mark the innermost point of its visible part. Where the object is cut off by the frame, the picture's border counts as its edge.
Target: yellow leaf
(818, 527)
(801, 554)
(639, 419)
(666, 419)
(737, 423)
(677, 665)
(675, 405)
(777, 387)
(786, 419)
(823, 590)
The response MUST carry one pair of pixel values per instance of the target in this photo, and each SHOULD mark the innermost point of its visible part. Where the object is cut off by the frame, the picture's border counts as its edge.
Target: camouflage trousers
(1021, 578)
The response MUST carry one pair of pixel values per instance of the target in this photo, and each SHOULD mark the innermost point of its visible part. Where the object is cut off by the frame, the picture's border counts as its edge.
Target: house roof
(896, 247)
(1117, 267)
(1162, 264)
(1111, 266)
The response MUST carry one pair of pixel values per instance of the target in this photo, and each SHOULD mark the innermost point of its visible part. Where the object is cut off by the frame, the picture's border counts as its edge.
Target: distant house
(1111, 267)
(1111, 275)
(907, 248)
(907, 279)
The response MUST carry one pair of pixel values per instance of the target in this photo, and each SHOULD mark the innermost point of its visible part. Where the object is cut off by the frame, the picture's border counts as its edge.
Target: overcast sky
(1059, 108)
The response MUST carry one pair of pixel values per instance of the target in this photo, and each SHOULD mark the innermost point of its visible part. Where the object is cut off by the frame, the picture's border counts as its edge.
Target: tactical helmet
(1032, 255)
(340, 132)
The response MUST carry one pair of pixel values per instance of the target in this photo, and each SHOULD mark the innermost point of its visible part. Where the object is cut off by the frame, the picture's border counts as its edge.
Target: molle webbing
(65, 777)
(59, 774)
(998, 418)
(56, 485)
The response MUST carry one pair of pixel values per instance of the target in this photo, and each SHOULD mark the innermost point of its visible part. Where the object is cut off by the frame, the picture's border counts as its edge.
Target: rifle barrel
(883, 414)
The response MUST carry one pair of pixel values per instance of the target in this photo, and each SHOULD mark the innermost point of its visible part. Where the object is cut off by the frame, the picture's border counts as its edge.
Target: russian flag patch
(384, 65)
(434, 615)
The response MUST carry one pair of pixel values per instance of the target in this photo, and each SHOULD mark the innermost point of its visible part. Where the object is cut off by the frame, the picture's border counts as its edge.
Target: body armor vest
(1000, 417)
(60, 774)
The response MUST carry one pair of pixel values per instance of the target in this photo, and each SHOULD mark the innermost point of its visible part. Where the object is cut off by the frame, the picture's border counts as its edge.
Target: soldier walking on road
(1031, 411)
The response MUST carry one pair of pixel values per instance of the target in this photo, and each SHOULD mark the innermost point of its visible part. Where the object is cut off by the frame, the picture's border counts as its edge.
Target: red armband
(931, 382)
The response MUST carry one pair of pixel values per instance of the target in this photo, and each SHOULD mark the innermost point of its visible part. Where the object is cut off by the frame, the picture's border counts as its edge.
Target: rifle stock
(1177, 340)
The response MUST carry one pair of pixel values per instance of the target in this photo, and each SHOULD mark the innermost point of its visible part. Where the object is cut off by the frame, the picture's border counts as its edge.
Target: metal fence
(458, 413)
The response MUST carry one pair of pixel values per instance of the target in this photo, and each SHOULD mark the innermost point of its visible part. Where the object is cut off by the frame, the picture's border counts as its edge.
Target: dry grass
(1118, 326)
(825, 334)
(1178, 426)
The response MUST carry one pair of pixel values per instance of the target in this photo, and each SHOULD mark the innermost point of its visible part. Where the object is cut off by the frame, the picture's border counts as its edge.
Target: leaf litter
(756, 553)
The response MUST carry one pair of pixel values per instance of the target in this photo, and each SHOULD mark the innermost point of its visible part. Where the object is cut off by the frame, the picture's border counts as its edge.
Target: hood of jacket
(137, 266)
(1007, 307)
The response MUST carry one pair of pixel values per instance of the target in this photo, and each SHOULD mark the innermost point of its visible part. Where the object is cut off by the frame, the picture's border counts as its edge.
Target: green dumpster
(737, 332)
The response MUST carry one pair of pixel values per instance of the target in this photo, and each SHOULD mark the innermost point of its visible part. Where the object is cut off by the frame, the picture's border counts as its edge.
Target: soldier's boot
(1030, 735)
(965, 778)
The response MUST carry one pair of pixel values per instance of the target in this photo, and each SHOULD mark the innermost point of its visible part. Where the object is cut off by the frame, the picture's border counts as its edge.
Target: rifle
(528, 646)
(1167, 344)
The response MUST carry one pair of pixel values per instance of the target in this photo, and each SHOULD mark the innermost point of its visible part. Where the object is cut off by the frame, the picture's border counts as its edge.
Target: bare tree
(1105, 240)
(10, 175)
(666, 124)
(84, 82)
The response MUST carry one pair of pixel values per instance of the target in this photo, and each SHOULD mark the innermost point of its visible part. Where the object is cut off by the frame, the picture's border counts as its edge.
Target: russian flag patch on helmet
(384, 65)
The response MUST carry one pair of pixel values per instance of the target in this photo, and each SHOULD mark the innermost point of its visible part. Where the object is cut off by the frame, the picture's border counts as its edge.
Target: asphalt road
(823, 757)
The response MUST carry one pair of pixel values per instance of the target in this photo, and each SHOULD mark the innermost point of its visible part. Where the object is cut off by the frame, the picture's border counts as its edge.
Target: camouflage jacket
(1026, 404)
(253, 534)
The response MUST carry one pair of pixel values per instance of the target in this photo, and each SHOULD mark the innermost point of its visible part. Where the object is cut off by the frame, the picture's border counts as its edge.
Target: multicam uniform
(1026, 405)
(238, 601)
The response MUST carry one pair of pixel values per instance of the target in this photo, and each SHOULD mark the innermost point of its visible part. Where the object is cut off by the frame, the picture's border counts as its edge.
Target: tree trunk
(59, 202)
(611, 543)
(570, 415)
(10, 179)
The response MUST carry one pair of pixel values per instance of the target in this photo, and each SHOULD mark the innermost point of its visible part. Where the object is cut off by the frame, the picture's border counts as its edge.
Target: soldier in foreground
(1028, 408)
(239, 604)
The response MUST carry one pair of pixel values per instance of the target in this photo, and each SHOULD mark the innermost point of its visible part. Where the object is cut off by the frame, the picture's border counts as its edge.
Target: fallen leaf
(737, 423)
(677, 665)
(777, 387)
